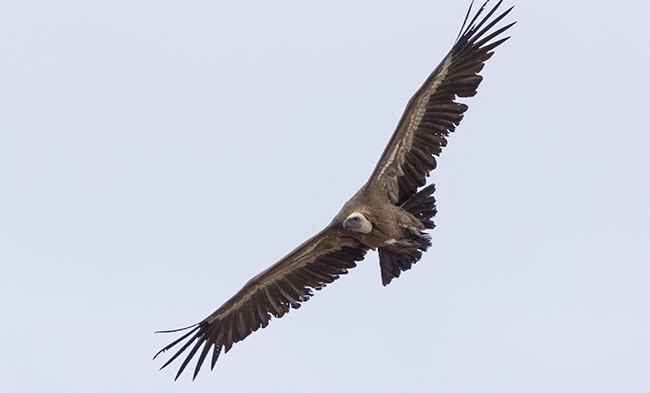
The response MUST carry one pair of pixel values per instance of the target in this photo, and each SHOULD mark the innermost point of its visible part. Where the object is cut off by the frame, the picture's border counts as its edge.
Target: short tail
(423, 206)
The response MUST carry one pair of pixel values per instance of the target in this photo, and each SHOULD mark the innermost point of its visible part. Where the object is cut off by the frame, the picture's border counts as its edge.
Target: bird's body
(389, 213)
(389, 222)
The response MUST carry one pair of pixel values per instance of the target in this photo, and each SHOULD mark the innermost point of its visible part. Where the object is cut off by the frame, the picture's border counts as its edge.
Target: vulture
(390, 213)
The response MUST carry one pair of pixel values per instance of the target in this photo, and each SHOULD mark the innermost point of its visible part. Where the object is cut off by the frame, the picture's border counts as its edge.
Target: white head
(357, 222)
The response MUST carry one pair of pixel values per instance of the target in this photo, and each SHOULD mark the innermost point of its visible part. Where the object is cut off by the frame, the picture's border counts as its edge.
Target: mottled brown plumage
(387, 214)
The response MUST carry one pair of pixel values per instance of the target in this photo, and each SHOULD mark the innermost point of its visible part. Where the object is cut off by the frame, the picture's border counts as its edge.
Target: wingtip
(176, 330)
(156, 355)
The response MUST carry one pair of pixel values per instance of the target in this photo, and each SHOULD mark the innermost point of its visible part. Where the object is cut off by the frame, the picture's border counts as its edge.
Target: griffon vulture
(387, 214)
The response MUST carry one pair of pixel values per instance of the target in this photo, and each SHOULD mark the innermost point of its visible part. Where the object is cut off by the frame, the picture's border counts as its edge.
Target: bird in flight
(389, 213)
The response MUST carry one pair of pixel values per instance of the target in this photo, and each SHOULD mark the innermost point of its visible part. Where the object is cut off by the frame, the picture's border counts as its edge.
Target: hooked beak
(352, 223)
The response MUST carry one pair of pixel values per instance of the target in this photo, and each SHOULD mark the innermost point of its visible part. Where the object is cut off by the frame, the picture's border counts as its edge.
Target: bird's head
(357, 222)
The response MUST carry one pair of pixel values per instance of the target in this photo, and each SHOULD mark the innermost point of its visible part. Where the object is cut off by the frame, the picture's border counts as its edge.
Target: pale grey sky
(155, 155)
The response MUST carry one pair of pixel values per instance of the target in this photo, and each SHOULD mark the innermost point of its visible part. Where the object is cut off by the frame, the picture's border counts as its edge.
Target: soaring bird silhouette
(387, 214)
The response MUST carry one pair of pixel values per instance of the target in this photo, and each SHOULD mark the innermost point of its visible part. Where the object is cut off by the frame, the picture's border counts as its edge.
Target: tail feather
(423, 206)
(392, 264)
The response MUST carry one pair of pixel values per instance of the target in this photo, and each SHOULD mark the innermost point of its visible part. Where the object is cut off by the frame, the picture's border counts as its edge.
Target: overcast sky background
(155, 155)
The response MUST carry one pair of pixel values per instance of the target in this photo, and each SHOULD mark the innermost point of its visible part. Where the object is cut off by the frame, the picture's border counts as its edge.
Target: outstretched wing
(314, 264)
(432, 113)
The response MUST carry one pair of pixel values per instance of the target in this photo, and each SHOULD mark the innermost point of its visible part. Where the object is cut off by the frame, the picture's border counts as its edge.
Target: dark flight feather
(432, 113)
(316, 263)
